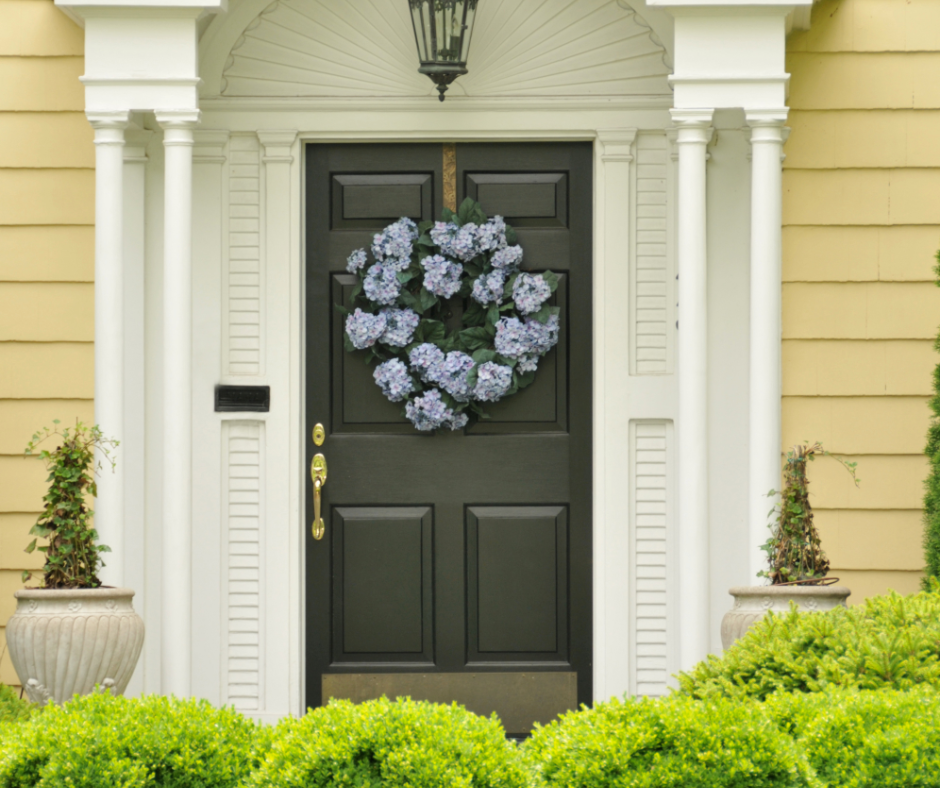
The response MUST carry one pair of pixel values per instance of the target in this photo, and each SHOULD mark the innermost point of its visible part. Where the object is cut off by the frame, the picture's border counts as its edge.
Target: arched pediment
(364, 48)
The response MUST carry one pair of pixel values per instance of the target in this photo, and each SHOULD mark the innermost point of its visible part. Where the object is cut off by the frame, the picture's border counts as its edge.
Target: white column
(177, 574)
(694, 132)
(767, 138)
(133, 446)
(109, 331)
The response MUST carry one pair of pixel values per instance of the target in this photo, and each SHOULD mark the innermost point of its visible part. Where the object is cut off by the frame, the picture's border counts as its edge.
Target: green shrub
(12, 707)
(99, 741)
(384, 743)
(890, 641)
(932, 482)
(865, 739)
(676, 742)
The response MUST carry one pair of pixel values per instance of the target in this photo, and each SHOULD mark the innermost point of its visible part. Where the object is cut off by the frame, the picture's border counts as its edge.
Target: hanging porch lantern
(442, 32)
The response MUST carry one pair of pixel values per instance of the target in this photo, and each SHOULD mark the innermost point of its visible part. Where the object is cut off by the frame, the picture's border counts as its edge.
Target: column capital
(178, 125)
(277, 145)
(109, 126)
(758, 118)
(616, 144)
(693, 126)
(178, 118)
(210, 146)
(119, 119)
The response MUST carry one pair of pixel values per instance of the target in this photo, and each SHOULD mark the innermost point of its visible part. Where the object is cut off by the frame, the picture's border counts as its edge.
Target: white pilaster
(767, 138)
(177, 574)
(694, 132)
(612, 568)
(278, 208)
(109, 330)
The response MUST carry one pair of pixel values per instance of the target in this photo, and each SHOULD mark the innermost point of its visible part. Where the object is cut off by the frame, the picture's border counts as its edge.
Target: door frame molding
(619, 399)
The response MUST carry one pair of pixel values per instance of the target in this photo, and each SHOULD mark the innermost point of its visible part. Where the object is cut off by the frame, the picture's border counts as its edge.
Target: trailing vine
(73, 556)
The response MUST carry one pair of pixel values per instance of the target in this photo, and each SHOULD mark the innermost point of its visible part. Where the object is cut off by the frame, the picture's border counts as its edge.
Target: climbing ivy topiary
(932, 484)
(73, 556)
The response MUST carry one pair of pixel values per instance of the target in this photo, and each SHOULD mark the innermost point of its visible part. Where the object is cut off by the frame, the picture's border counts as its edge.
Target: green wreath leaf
(474, 314)
(427, 299)
(475, 338)
(552, 280)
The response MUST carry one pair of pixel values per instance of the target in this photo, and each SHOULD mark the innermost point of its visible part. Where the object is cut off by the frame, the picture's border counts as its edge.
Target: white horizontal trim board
(650, 283)
(242, 494)
(650, 543)
(242, 351)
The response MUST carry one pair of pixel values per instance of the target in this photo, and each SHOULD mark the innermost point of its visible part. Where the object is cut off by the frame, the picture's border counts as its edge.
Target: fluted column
(177, 574)
(693, 133)
(109, 330)
(767, 138)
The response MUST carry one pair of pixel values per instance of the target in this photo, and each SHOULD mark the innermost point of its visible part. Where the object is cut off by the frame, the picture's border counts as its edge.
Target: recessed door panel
(382, 583)
(517, 582)
(363, 200)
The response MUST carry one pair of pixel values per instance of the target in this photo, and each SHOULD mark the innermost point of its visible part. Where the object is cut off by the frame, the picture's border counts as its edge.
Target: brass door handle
(318, 474)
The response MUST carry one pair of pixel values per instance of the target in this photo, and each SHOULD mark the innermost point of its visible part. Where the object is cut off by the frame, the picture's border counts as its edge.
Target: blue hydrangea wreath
(422, 272)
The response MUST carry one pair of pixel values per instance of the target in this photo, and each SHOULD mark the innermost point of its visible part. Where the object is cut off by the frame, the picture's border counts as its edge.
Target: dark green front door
(455, 565)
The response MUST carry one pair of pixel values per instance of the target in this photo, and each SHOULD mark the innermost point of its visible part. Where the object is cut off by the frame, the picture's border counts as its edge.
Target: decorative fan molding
(362, 48)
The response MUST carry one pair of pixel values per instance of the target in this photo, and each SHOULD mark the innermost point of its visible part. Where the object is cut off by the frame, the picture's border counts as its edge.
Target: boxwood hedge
(865, 739)
(391, 743)
(890, 642)
(99, 741)
(677, 742)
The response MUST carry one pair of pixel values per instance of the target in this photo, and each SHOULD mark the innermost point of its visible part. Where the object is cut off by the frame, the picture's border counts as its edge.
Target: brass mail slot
(519, 699)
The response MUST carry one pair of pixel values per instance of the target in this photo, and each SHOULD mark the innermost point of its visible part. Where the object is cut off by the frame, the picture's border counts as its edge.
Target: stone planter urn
(65, 641)
(754, 602)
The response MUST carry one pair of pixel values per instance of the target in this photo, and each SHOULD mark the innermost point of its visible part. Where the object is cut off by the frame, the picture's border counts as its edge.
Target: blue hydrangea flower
(364, 329)
(530, 291)
(395, 243)
(442, 277)
(443, 233)
(400, 325)
(452, 375)
(507, 259)
(492, 235)
(429, 412)
(381, 284)
(512, 340)
(393, 378)
(526, 342)
(356, 261)
(528, 364)
(488, 289)
(493, 381)
(426, 360)
(464, 245)
(456, 241)
(542, 337)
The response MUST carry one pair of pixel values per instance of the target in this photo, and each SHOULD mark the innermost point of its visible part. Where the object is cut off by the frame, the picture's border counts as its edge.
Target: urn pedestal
(754, 602)
(63, 642)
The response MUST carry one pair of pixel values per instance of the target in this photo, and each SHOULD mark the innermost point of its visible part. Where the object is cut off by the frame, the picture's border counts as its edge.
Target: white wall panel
(651, 283)
(651, 518)
(243, 445)
(242, 335)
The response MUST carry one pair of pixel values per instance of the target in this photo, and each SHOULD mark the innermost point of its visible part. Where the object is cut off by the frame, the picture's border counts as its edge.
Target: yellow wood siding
(46, 262)
(861, 226)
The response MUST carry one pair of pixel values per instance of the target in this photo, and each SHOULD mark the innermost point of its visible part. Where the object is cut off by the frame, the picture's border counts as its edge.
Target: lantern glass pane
(442, 29)
(422, 19)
